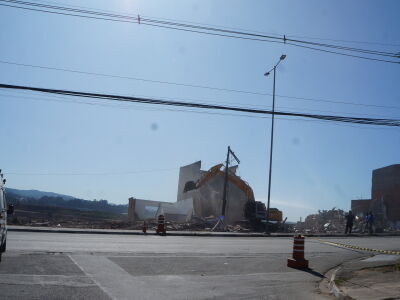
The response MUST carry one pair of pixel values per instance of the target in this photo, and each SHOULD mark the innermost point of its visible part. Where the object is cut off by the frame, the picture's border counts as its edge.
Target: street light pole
(272, 142)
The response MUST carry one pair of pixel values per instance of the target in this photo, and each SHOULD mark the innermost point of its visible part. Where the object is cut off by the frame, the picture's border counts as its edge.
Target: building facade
(385, 194)
(360, 207)
(385, 198)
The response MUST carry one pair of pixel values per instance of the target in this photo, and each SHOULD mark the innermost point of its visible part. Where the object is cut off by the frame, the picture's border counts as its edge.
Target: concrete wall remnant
(141, 210)
(188, 173)
(181, 211)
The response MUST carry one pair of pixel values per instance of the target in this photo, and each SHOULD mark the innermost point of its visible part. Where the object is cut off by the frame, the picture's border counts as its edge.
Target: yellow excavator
(256, 214)
(254, 211)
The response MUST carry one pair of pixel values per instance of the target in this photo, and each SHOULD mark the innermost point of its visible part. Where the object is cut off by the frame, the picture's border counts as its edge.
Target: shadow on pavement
(312, 272)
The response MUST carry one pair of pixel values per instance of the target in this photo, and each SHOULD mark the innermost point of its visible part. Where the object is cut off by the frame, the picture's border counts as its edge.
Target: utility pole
(225, 182)
(272, 142)
(220, 223)
(225, 193)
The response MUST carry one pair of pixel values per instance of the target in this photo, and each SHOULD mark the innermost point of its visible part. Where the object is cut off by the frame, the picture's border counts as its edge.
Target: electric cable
(61, 99)
(234, 28)
(204, 30)
(356, 120)
(196, 85)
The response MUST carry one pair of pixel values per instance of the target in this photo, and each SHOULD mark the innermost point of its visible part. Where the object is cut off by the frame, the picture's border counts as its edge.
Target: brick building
(385, 197)
(385, 193)
(360, 207)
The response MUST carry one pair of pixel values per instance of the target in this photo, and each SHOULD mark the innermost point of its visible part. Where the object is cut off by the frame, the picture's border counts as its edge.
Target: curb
(391, 252)
(333, 287)
(177, 233)
(131, 232)
(328, 284)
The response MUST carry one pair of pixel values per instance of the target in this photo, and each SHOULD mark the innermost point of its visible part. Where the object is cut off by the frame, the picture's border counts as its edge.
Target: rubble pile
(185, 226)
(196, 224)
(237, 228)
(328, 221)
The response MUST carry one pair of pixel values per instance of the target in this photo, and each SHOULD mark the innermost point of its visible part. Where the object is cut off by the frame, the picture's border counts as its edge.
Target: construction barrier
(358, 247)
(297, 260)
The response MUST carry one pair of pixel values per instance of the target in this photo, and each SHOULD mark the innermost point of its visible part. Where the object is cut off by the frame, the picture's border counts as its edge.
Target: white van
(4, 210)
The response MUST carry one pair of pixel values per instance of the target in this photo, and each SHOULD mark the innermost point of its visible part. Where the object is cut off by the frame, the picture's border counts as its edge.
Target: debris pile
(237, 228)
(328, 221)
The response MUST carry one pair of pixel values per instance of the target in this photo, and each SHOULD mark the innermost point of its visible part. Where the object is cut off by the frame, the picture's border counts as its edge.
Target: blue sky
(116, 151)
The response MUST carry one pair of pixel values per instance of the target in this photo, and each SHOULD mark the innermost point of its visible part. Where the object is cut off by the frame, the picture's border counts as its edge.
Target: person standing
(349, 222)
(365, 220)
(370, 222)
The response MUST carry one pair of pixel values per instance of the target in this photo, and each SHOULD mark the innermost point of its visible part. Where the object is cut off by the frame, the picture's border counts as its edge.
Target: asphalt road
(95, 266)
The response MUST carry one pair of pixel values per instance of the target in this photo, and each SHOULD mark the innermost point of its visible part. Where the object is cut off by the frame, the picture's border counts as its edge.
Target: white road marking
(90, 276)
(61, 280)
(119, 284)
(112, 279)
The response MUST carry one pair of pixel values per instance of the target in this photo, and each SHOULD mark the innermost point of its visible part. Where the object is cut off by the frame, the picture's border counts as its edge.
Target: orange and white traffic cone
(297, 260)
(161, 225)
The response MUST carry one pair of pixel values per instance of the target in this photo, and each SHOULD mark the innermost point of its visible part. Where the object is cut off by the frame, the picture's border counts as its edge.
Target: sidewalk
(175, 233)
(375, 277)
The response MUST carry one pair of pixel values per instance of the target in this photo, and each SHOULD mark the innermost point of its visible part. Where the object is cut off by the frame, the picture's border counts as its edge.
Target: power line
(203, 30)
(136, 78)
(194, 85)
(235, 28)
(345, 41)
(371, 121)
(61, 99)
(143, 108)
(152, 20)
(343, 54)
(284, 39)
(144, 23)
(272, 34)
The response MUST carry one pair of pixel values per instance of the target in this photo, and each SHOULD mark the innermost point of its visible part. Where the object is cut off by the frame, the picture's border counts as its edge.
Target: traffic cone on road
(161, 225)
(297, 260)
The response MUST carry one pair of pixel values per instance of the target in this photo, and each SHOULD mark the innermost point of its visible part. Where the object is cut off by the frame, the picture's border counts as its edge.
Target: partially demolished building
(205, 188)
(199, 195)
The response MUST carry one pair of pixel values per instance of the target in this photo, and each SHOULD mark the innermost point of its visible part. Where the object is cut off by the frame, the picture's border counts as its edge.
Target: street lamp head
(283, 56)
(266, 74)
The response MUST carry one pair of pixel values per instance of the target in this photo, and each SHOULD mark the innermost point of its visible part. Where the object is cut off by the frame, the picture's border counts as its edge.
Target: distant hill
(39, 198)
(35, 194)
